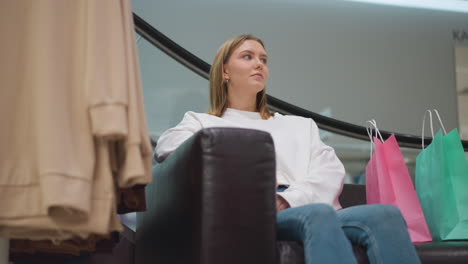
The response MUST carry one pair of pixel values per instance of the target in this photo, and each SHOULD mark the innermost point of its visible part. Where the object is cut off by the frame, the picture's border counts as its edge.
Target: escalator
(349, 140)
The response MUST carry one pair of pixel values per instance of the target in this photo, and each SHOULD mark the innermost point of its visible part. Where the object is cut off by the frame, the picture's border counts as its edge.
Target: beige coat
(70, 87)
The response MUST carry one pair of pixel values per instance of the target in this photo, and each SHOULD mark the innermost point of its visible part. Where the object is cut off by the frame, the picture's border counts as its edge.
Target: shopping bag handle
(431, 125)
(369, 124)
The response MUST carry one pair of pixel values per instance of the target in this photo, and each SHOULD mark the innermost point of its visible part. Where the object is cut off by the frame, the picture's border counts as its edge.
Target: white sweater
(303, 161)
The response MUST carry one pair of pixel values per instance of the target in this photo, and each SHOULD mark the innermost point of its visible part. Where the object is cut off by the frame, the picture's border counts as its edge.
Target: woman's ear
(225, 73)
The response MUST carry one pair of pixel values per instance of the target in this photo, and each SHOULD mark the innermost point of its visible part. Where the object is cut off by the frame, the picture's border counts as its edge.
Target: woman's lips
(257, 75)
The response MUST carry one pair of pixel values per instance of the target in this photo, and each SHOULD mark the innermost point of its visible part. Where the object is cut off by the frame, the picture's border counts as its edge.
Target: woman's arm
(174, 137)
(324, 179)
(281, 203)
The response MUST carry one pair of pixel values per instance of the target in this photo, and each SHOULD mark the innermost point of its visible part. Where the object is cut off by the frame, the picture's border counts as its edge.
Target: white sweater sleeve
(172, 138)
(324, 179)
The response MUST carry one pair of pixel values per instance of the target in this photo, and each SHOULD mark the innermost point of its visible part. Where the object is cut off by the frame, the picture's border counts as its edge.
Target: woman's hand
(281, 203)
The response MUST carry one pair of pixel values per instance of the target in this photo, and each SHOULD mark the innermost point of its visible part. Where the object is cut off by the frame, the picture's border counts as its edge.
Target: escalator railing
(202, 68)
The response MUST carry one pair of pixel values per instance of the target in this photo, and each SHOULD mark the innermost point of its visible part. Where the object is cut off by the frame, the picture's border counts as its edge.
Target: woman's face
(246, 69)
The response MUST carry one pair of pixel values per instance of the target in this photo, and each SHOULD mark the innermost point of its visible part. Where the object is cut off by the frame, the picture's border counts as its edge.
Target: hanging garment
(70, 90)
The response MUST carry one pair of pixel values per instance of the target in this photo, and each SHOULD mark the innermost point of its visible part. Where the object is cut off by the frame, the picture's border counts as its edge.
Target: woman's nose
(258, 64)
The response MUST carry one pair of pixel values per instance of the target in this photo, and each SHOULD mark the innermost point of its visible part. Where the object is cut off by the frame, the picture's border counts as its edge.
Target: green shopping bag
(441, 182)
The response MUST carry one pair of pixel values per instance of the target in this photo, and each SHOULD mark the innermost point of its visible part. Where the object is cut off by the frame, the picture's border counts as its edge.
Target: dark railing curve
(202, 68)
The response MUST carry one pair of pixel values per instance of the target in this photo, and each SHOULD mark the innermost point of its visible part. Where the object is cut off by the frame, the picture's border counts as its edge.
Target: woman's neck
(244, 103)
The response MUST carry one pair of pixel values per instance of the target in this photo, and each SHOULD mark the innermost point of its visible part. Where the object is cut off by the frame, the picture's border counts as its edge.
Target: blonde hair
(218, 86)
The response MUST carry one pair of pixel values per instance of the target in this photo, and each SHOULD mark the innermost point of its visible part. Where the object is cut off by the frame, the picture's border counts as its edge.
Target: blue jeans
(326, 233)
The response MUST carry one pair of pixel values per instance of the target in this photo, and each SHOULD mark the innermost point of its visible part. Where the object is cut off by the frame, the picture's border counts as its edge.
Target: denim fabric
(326, 233)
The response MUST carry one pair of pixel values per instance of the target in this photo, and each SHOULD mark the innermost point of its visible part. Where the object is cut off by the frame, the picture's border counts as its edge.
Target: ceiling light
(442, 5)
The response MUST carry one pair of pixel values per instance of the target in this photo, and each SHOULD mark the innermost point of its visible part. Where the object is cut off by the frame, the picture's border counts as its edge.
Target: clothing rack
(4, 248)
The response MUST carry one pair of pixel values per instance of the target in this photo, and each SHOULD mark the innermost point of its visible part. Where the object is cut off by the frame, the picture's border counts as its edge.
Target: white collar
(231, 112)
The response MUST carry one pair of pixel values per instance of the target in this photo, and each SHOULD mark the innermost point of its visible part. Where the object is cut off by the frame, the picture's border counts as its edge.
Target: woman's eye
(248, 57)
(264, 60)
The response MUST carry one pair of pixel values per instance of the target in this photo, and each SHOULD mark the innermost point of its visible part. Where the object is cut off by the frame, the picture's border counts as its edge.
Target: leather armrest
(212, 201)
(353, 194)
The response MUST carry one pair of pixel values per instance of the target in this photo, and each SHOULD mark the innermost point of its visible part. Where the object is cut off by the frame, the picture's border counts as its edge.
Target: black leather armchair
(212, 201)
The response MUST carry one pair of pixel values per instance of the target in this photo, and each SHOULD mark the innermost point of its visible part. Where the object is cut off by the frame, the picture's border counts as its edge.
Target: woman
(309, 174)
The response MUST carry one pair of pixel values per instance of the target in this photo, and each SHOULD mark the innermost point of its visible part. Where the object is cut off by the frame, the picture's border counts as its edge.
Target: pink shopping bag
(388, 182)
